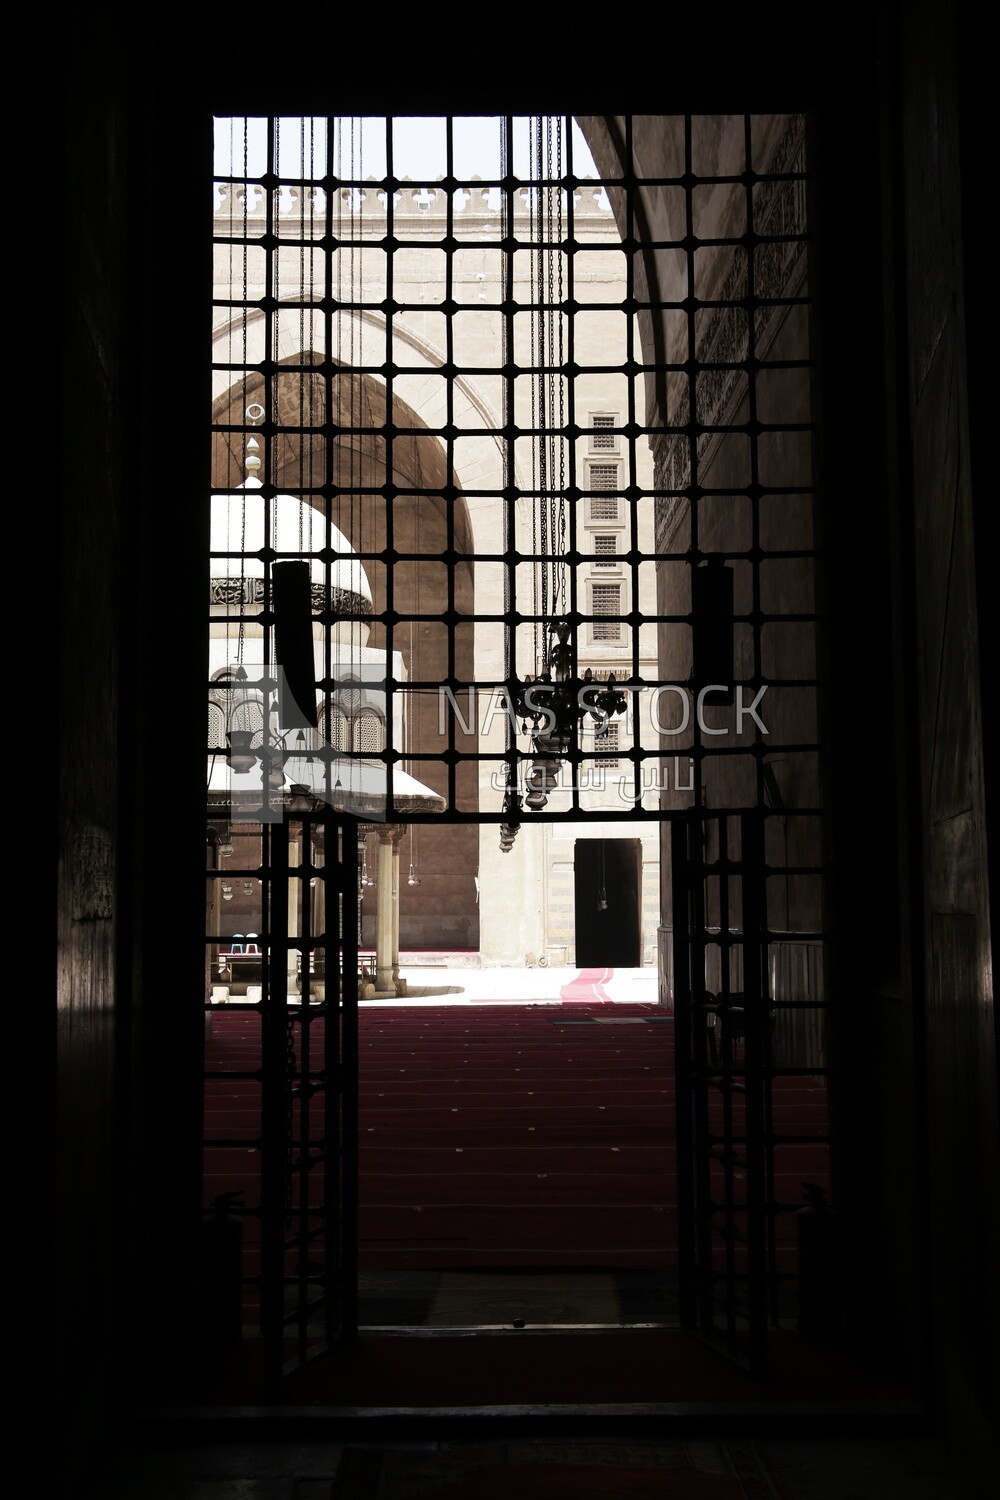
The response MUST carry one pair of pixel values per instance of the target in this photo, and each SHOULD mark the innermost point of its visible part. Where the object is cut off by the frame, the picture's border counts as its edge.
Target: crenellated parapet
(367, 209)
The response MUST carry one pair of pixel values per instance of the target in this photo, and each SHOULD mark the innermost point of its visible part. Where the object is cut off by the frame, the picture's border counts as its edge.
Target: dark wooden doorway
(608, 902)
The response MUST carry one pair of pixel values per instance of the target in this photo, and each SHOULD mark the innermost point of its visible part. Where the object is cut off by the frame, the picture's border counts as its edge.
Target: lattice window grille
(335, 728)
(604, 506)
(248, 718)
(369, 733)
(608, 743)
(604, 436)
(216, 726)
(605, 551)
(607, 608)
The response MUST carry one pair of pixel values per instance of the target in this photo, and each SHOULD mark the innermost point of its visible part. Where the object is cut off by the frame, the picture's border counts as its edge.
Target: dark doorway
(608, 901)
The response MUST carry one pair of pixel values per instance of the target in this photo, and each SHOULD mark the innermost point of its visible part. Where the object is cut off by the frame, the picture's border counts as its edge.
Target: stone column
(385, 922)
(215, 988)
(363, 832)
(398, 984)
(294, 928)
(316, 894)
(211, 907)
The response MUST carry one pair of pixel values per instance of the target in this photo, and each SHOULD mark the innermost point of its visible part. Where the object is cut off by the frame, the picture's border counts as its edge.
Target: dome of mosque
(294, 529)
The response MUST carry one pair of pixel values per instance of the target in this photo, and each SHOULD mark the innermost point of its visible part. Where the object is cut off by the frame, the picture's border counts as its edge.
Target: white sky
(418, 144)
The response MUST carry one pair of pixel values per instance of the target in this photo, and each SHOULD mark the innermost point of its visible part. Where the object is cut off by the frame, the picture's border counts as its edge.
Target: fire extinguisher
(818, 1270)
(222, 1273)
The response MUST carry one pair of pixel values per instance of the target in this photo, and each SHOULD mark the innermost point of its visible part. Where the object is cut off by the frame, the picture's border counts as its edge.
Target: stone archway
(419, 517)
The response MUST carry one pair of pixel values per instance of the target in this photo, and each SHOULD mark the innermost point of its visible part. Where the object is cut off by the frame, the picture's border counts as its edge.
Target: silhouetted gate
(722, 1020)
(281, 1095)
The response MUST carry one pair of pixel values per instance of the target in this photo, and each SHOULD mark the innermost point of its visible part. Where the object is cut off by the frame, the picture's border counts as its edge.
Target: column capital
(390, 833)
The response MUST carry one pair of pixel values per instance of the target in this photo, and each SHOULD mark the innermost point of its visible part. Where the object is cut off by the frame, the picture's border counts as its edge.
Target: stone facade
(518, 906)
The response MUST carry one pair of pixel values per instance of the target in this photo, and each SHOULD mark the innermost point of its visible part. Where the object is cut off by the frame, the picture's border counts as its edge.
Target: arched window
(349, 696)
(335, 728)
(216, 724)
(348, 724)
(247, 714)
(368, 733)
(232, 705)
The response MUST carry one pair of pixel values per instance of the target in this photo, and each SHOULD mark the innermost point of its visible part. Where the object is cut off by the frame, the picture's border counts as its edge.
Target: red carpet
(521, 1135)
(503, 1136)
(506, 1136)
(587, 988)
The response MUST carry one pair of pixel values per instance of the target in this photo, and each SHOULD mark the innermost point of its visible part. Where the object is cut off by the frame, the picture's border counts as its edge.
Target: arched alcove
(336, 462)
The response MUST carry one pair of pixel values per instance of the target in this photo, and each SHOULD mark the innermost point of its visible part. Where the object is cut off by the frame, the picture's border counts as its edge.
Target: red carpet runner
(586, 987)
(507, 1135)
(517, 1135)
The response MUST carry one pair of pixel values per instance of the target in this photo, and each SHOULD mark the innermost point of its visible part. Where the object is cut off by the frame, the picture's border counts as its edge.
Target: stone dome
(296, 530)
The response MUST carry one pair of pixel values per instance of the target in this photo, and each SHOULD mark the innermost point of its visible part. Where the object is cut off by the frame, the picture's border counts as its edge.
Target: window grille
(604, 507)
(605, 551)
(369, 733)
(608, 743)
(604, 436)
(316, 235)
(349, 696)
(216, 726)
(334, 726)
(607, 607)
(248, 718)
(421, 436)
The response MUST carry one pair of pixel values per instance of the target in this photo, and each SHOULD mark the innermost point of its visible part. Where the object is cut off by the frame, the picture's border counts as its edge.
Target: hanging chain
(355, 441)
(561, 604)
(271, 504)
(307, 299)
(551, 436)
(246, 254)
(290, 1065)
(537, 581)
(336, 389)
(303, 438)
(543, 378)
(509, 736)
(240, 634)
(243, 567)
(550, 381)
